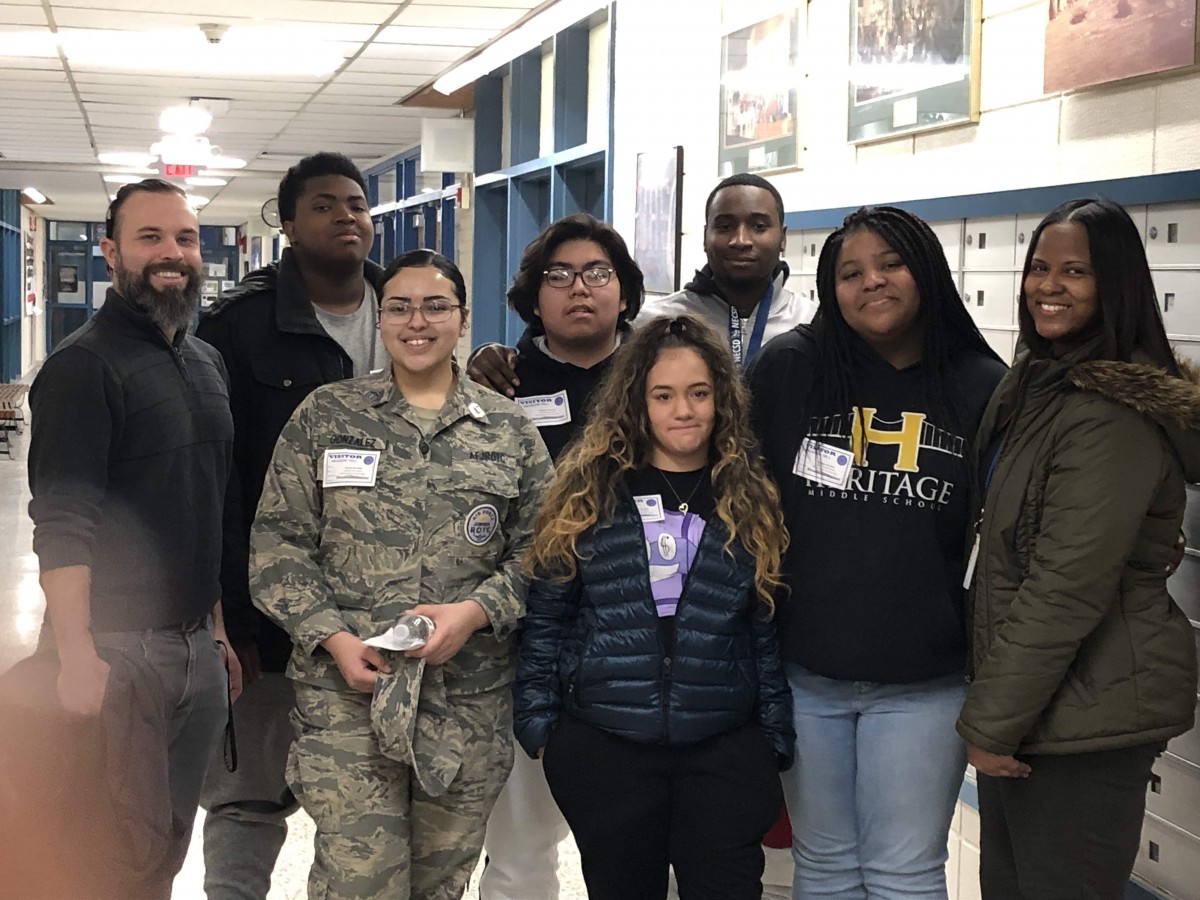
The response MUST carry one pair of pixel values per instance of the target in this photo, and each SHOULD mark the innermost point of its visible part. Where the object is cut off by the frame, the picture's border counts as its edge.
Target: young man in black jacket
(577, 287)
(283, 331)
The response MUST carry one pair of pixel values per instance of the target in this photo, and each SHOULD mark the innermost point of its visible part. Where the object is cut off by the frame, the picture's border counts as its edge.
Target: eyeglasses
(562, 277)
(432, 311)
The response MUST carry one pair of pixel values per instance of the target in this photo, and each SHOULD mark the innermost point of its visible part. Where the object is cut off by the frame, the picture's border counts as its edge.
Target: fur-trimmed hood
(1173, 402)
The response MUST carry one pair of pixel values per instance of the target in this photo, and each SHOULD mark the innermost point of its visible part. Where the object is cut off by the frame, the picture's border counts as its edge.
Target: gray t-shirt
(357, 333)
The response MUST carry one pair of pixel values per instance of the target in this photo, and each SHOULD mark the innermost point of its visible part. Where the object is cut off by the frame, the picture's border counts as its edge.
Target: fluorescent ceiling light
(34, 195)
(193, 150)
(206, 181)
(520, 40)
(177, 149)
(242, 50)
(196, 200)
(183, 150)
(185, 120)
(128, 159)
(28, 43)
(122, 178)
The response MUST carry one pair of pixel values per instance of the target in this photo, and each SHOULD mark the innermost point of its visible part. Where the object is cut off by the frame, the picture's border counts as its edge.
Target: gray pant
(196, 691)
(248, 809)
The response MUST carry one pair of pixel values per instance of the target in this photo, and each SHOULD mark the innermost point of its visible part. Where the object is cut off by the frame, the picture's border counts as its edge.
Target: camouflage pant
(379, 837)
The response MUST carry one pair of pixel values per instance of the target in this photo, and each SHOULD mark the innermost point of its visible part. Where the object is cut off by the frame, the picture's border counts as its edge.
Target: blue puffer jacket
(591, 647)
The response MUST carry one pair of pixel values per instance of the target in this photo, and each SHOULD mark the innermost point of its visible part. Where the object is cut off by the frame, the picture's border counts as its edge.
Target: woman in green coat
(1083, 665)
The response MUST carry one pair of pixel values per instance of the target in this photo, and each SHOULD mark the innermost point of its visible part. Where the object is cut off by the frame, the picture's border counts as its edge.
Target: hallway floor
(21, 610)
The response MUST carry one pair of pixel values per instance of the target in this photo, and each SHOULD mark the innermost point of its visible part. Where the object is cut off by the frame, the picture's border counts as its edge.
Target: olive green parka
(1076, 644)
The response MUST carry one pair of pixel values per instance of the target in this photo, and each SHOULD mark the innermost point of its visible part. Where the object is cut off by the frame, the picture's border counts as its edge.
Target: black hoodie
(875, 569)
(542, 376)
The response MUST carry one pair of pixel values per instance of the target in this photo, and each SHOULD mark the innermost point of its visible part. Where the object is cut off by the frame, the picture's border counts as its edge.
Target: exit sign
(174, 171)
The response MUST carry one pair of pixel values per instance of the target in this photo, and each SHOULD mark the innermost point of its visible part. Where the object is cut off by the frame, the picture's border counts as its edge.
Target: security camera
(213, 32)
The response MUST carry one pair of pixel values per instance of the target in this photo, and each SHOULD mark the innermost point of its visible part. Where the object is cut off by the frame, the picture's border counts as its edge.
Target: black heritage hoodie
(875, 568)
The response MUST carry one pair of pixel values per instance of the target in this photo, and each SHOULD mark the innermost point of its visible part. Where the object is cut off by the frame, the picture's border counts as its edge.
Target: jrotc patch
(481, 524)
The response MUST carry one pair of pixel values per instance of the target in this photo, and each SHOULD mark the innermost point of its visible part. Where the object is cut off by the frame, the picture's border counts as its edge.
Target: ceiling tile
(391, 47)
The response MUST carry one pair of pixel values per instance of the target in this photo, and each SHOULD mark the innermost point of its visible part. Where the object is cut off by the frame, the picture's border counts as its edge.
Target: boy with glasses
(740, 292)
(576, 287)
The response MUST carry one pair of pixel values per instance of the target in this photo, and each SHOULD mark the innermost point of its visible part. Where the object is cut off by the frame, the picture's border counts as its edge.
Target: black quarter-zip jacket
(875, 568)
(129, 459)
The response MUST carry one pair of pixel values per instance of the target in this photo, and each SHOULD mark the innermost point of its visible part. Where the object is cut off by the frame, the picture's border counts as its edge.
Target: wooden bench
(12, 413)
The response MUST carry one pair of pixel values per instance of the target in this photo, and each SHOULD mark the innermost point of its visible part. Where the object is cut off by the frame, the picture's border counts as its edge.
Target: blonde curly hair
(617, 440)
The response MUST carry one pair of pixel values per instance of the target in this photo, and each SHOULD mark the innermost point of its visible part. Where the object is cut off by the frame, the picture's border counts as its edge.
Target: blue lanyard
(743, 355)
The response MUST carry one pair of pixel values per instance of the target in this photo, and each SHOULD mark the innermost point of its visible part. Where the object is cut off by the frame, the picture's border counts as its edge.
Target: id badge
(825, 464)
(349, 468)
(650, 507)
(547, 409)
(971, 563)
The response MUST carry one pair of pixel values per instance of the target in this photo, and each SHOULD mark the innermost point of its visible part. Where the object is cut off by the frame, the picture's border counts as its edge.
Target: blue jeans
(877, 773)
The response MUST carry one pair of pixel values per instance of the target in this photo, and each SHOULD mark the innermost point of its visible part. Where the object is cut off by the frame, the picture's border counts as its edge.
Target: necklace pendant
(683, 508)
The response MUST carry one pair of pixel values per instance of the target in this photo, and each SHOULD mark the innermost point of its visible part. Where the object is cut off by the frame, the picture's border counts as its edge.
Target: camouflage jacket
(448, 519)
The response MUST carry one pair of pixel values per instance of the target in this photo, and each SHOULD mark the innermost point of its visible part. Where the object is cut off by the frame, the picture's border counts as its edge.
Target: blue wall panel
(11, 282)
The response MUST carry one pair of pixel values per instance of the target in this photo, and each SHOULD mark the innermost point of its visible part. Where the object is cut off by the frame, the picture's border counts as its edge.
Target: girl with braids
(865, 418)
(650, 680)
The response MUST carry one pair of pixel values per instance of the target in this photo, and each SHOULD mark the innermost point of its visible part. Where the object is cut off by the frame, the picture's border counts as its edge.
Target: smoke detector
(213, 31)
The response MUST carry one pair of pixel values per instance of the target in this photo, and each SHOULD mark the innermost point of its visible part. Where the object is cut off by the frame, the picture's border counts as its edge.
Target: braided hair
(948, 328)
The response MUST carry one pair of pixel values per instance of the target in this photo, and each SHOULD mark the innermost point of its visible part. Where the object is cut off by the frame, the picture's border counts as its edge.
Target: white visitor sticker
(547, 409)
(826, 465)
(349, 468)
(650, 507)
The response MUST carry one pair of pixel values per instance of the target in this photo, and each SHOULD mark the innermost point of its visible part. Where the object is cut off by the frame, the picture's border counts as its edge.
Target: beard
(171, 309)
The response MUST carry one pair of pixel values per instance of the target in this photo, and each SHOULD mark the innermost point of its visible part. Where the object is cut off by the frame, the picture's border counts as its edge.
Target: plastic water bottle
(412, 631)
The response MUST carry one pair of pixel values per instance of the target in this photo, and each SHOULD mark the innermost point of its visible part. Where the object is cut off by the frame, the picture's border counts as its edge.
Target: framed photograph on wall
(758, 115)
(656, 218)
(914, 65)
(1091, 42)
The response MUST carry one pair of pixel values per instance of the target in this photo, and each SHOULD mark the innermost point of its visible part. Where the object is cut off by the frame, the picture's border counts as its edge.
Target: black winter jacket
(277, 353)
(590, 647)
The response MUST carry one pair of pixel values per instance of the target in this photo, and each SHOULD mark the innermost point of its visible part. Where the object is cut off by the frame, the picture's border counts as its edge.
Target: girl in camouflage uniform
(410, 490)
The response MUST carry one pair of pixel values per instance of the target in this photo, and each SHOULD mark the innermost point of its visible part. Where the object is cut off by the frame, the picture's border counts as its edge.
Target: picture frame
(68, 279)
(657, 223)
(914, 66)
(1088, 45)
(758, 118)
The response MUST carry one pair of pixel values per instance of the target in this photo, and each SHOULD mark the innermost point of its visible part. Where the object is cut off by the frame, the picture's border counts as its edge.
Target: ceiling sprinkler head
(213, 31)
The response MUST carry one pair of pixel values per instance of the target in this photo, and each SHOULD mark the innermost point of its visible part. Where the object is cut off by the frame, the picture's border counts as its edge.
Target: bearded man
(129, 458)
